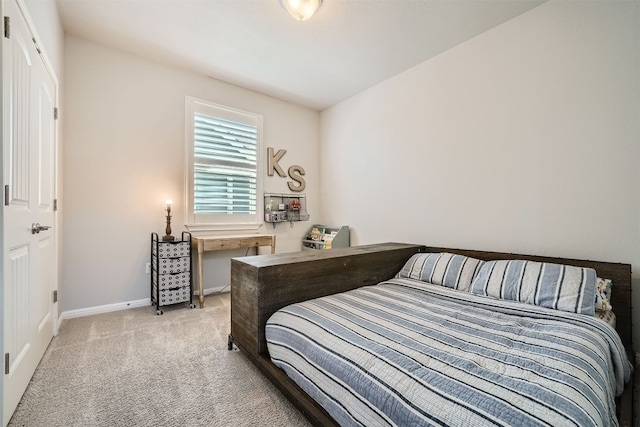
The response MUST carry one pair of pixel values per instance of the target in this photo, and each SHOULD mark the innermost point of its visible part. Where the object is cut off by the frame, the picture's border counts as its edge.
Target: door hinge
(6, 363)
(7, 27)
(55, 205)
(35, 43)
(6, 195)
(55, 113)
(55, 296)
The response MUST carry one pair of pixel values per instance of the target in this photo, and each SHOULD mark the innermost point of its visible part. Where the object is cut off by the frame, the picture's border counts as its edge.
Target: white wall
(124, 156)
(524, 139)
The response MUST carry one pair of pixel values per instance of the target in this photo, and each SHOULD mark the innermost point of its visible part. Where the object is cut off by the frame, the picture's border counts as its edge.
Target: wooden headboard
(620, 275)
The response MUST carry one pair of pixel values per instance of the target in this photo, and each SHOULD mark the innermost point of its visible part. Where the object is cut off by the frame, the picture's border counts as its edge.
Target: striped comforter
(408, 353)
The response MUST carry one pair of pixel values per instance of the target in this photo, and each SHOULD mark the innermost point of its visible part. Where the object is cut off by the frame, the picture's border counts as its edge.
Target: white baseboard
(123, 305)
(81, 312)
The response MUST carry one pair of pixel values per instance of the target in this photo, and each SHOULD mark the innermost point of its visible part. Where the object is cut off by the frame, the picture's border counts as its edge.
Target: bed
(374, 339)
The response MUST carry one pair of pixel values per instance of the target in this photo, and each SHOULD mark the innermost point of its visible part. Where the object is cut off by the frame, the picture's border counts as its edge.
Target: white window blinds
(225, 167)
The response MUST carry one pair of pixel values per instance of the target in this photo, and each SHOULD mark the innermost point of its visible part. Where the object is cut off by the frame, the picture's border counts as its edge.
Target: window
(223, 170)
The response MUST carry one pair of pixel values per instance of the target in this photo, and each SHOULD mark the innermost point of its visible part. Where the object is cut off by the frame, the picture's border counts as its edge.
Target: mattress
(410, 353)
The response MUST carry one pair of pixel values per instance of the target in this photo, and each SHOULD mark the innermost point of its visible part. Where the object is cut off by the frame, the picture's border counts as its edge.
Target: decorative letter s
(296, 172)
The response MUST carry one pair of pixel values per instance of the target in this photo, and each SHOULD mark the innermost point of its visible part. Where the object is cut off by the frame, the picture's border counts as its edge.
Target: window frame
(226, 222)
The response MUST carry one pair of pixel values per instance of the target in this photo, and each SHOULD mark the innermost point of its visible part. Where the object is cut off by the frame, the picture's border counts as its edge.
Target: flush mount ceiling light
(301, 9)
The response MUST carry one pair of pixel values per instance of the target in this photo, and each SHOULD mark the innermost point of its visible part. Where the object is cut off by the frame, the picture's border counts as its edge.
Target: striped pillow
(557, 286)
(444, 269)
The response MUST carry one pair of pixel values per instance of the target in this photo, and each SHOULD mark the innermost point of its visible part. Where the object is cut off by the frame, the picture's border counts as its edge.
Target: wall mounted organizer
(285, 208)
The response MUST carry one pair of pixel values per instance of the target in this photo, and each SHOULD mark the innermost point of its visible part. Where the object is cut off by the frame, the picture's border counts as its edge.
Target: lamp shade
(301, 9)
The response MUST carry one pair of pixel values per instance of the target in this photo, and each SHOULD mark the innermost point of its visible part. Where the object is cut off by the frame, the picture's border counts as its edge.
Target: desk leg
(200, 275)
(273, 244)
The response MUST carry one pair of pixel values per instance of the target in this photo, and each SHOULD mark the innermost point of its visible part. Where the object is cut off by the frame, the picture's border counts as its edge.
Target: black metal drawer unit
(171, 271)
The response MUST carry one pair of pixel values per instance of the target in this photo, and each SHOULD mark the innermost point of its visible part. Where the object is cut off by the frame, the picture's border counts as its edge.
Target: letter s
(295, 173)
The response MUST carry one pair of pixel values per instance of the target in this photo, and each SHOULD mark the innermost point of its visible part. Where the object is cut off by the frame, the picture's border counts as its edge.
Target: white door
(30, 254)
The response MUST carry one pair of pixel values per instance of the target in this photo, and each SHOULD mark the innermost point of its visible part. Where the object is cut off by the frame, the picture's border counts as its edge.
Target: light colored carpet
(133, 368)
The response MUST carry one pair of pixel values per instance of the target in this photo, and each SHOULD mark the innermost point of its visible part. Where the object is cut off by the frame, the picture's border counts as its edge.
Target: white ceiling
(348, 46)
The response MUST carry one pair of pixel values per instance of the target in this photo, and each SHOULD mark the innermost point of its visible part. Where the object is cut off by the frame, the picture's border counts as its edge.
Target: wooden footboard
(261, 285)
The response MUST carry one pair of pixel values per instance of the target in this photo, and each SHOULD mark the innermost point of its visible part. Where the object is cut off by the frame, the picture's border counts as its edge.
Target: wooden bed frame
(261, 285)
